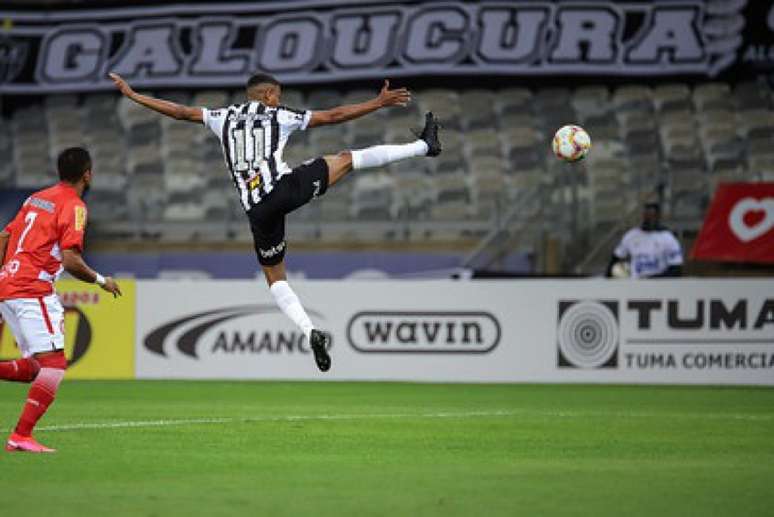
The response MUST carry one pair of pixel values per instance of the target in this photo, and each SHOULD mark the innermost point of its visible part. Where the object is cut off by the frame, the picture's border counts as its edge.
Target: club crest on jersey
(255, 182)
(80, 218)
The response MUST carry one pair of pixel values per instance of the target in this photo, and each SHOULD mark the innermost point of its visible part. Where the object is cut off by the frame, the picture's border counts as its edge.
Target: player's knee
(339, 162)
(345, 157)
(54, 360)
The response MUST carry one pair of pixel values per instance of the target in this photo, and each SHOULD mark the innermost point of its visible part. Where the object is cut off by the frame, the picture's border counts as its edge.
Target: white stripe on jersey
(253, 137)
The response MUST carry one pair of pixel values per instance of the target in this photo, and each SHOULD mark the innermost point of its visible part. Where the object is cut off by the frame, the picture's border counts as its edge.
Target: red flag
(739, 226)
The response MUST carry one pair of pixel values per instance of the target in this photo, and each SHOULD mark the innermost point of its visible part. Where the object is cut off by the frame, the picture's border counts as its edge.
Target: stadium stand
(676, 137)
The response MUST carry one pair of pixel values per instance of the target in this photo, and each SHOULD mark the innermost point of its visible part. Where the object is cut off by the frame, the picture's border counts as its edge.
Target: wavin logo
(424, 332)
(190, 329)
(588, 334)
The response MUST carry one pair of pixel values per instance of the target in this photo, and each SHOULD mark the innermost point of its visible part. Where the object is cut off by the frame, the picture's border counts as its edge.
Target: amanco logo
(219, 332)
(424, 332)
(78, 335)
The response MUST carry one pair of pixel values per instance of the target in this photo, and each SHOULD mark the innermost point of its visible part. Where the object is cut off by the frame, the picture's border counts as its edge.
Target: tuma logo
(424, 332)
(588, 334)
(187, 333)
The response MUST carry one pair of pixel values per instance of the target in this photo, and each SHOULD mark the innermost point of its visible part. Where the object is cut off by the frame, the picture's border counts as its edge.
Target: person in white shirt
(649, 250)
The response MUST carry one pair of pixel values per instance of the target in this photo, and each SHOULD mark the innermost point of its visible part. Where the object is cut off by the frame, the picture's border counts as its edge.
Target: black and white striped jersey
(253, 136)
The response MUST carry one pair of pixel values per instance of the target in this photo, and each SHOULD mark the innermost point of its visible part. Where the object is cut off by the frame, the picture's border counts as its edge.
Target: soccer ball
(571, 143)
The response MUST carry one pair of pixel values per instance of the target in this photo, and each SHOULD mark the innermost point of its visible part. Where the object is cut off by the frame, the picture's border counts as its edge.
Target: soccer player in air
(253, 136)
(45, 237)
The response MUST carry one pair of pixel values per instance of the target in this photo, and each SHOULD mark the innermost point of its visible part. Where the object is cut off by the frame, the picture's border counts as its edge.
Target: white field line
(389, 416)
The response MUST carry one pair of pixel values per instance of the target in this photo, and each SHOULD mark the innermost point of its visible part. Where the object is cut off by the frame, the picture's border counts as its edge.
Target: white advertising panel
(589, 331)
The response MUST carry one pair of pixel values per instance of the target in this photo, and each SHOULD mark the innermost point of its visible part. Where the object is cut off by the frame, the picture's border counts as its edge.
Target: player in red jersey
(44, 238)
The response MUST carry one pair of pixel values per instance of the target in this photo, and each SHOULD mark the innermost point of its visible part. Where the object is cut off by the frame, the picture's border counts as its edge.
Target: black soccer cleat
(320, 341)
(430, 135)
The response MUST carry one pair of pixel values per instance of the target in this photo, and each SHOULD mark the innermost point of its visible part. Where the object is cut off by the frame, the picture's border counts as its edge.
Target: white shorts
(36, 323)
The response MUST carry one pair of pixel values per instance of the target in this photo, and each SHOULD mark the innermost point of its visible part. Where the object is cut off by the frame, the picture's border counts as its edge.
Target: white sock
(289, 303)
(379, 155)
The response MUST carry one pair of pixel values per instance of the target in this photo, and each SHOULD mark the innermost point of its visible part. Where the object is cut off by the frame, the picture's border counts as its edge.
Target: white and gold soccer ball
(571, 143)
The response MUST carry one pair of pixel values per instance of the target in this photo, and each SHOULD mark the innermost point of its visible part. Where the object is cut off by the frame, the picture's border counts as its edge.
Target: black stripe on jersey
(224, 139)
(275, 132)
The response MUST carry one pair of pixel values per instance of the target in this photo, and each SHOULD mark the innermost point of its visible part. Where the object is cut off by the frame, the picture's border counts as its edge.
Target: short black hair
(261, 78)
(652, 206)
(73, 164)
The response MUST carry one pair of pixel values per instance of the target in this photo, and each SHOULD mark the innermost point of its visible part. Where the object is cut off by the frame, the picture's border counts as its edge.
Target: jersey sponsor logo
(349, 40)
(424, 332)
(43, 204)
(273, 251)
(80, 218)
(244, 329)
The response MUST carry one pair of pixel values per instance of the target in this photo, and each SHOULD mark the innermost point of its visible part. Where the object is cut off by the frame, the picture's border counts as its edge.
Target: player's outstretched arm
(168, 108)
(386, 98)
(74, 264)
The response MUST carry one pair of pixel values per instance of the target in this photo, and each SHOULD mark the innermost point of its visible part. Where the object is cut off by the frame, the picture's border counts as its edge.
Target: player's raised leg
(427, 144)
(290, 305)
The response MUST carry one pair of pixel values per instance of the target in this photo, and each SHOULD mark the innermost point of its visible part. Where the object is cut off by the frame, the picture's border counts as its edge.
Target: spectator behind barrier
(647, 251)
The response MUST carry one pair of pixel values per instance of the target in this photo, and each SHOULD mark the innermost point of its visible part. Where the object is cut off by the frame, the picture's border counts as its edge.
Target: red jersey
(50, 221)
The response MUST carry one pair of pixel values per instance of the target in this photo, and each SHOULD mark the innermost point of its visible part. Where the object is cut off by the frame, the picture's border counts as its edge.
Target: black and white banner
(313, 41)
(587, 331)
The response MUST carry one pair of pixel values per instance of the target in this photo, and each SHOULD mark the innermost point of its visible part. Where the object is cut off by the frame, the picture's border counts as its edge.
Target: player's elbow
(71, 260)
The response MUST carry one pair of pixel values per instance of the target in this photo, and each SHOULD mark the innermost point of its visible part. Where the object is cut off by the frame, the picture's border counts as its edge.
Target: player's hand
(111, 286)
(122, 85)
(399, 97)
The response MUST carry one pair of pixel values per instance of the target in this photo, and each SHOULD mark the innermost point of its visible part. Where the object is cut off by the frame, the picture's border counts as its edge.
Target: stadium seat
(212, 99)
(513, 100)
(185, 211)
(590, 99)
(322, 99)
(414, 195)
(290, 98)
(672, 97)
(633, 98)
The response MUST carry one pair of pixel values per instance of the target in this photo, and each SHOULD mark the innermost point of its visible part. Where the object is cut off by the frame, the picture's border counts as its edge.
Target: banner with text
(99, 331)
(739, 226)
(314, 41)
(587, 331)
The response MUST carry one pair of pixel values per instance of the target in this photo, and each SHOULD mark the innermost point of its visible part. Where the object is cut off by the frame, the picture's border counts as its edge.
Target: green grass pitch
(338, 449)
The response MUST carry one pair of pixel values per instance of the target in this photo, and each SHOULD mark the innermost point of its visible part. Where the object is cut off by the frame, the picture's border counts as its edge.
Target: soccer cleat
(430, 135)
(19, 443)
(320, 341)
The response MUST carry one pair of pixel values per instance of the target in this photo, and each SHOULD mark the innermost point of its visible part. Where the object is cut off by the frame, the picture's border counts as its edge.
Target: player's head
(264, 88)
(74, 166)
(651, 216)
